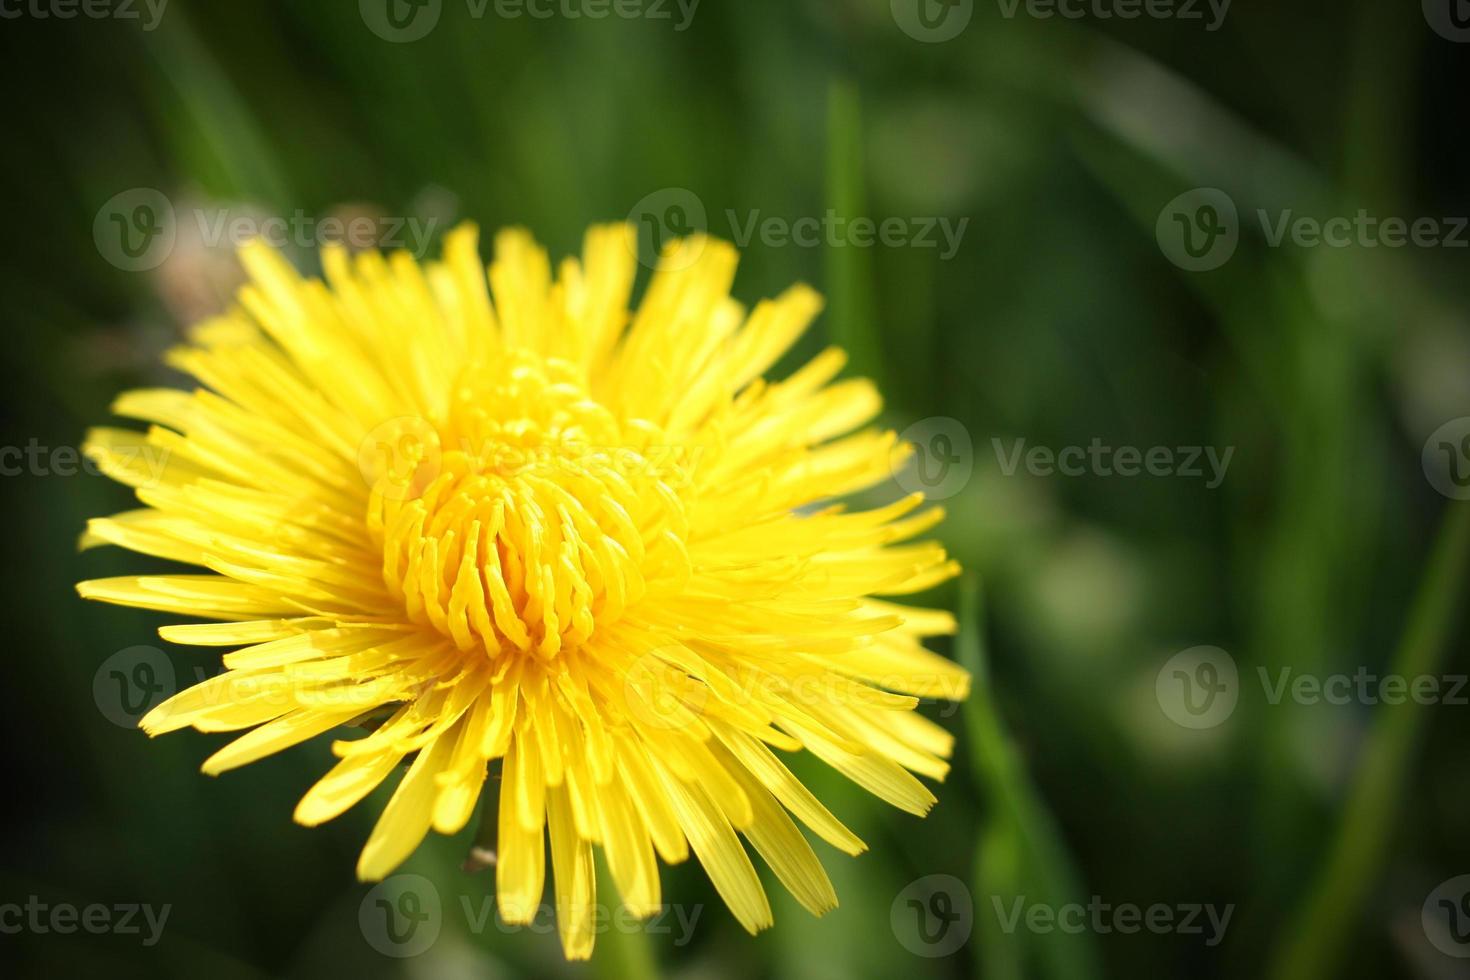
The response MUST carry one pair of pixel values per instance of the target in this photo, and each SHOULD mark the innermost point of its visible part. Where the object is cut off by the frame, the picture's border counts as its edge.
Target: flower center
(531, 516)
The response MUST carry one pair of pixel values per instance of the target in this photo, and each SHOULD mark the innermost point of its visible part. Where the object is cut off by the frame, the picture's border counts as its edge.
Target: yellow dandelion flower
(513, 520)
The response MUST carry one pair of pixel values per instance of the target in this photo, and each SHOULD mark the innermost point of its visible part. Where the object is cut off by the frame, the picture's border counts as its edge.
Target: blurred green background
(1060, 319)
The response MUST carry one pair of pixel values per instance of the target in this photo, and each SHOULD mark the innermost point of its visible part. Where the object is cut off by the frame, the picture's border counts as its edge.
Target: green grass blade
(849, 268)
(214, 124)
(1322, 928)
(1020, 846)
(622, 953)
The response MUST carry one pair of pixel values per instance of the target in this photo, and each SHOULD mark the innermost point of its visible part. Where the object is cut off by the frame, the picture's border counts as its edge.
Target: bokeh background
(1064, 315)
